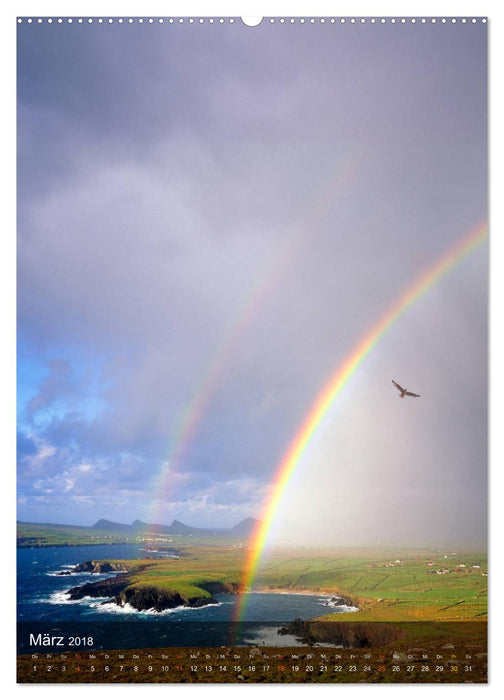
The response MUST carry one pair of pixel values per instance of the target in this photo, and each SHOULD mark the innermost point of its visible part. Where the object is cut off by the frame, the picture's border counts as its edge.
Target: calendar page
(252, 349)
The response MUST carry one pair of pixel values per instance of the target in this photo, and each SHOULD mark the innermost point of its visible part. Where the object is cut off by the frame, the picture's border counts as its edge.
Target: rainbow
(331, 392)
(196, 408)
(212, 377)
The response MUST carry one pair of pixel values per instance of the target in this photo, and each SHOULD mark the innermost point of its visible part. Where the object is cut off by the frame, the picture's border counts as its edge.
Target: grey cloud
(216, 210)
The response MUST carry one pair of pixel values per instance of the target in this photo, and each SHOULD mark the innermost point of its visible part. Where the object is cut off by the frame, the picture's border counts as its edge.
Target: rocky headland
(341, 599)
(93, 567)
(153, 598)
(346, 634)
(99, 567)
(123, 590)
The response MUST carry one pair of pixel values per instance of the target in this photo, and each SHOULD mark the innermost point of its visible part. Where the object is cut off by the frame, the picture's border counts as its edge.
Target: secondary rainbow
(189, 421)
(332, 390)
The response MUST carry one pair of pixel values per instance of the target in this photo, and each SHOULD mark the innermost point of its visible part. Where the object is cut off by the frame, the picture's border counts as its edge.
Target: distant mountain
(140, 526)
(176, 528)
(245, 527)
(109, 525)
(179, 528)
(242, 529)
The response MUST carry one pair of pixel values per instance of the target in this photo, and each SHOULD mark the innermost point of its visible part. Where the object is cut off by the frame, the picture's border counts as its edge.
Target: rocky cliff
(121, 591)
(99, 567)
(110, 588)
(347, 634)
(152, 598)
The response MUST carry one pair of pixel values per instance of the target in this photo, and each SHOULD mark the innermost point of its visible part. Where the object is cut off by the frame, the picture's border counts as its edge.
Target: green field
(406, 591)
(49, 535)
(40, 535)
(387, 589)
(386, 585)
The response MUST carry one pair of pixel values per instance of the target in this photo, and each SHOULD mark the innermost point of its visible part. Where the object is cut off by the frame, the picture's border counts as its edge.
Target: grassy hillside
(386, 586)
(49, 535)
(402, 586)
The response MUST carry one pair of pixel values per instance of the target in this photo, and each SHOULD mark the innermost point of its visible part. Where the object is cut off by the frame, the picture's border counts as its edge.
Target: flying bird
(404, 392)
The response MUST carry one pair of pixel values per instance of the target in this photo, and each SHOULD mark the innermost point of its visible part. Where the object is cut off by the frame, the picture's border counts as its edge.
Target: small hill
(246, 527)
(243, 529)
(140, 526)
(178, 528)
(110, 525)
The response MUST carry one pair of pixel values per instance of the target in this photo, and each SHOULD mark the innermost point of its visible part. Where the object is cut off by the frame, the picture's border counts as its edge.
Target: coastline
(299, 591)
(70, 544)
(346, 600)
(120, 591)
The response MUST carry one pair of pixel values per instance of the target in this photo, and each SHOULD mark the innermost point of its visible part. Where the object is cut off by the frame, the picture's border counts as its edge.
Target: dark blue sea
(43, 608)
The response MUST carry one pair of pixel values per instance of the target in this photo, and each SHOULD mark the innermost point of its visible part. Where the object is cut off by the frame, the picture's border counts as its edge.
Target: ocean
(44, 609)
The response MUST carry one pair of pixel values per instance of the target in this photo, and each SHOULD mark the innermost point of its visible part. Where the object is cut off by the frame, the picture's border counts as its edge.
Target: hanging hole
(251, 21)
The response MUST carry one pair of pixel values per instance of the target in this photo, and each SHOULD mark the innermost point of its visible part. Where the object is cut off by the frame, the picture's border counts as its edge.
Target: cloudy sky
(210, 218)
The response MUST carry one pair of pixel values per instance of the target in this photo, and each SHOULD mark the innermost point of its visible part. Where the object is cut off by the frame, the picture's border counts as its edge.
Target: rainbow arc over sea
(330, 393)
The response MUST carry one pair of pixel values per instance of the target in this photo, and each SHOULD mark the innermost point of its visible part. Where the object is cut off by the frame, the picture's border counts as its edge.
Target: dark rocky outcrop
(99, 567)
(158, 599)
(152, 598)
(356, 635)
(110, 588)
(121, 591)
(341, 599)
